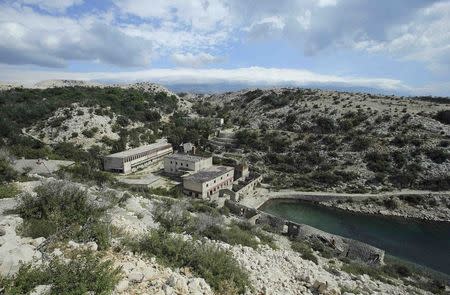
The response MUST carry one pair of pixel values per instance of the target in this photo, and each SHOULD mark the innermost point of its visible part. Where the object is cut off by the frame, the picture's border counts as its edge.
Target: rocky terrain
(82, 225)
(271, 271)
(424, 207)
(345, 142)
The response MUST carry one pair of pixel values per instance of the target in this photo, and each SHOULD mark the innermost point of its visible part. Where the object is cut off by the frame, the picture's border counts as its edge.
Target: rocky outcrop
(146, 276)
(15, 250)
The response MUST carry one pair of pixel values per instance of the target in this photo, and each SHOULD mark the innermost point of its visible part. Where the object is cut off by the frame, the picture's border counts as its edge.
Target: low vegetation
(64, 211)
(87, 273)
(216, 266)
(8, 191)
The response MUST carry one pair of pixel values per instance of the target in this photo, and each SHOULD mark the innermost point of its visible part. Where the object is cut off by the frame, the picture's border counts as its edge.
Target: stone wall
(349, 248)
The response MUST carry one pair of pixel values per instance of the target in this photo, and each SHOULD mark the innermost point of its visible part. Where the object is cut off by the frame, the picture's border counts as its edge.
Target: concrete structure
(137, 158)
(208, 182)
(188, 148)
(181, 163)
(241, 171)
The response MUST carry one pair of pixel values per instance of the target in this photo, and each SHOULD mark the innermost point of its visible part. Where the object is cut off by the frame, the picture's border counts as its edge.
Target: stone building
(179, 163)
(134, 159)
(208, 182)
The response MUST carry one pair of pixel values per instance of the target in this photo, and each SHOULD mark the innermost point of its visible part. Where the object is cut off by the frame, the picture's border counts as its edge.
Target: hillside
(155, 240)
(354, 142)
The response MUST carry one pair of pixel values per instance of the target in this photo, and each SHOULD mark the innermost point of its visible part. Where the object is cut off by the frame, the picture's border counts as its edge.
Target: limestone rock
(41, 290)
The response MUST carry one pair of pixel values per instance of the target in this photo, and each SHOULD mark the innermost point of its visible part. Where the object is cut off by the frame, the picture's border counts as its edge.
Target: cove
(423, 243)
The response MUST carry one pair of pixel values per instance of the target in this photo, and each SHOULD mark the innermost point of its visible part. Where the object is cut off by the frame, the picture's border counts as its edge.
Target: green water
(427, 244)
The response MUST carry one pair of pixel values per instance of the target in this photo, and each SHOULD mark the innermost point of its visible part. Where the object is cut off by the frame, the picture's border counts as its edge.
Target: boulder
(122, 286)
(41, 290)
(136, 277)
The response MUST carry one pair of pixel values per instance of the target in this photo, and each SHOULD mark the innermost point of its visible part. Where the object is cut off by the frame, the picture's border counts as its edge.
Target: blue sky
(400, 46)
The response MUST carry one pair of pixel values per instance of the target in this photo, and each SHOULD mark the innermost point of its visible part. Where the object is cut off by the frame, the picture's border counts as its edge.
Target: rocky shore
(426, 207)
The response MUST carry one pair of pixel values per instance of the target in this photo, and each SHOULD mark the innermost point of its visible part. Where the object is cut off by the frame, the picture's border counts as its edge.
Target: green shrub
(438, 156)
(443, 117)
(64, 208)
(8, 191)
(216, 266)
(304, 248)
(86, 273)
(7, 173)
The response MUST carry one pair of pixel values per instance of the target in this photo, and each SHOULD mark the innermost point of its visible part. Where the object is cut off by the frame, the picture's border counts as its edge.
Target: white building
(137, 158)
(208, 182)
(178, 163)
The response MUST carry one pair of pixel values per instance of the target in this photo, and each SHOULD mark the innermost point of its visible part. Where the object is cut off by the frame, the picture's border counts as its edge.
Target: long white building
(134, 159)
(179, 163)
(208, 182)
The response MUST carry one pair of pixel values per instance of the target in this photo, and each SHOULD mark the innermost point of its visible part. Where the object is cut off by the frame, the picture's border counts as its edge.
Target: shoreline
(321, 198)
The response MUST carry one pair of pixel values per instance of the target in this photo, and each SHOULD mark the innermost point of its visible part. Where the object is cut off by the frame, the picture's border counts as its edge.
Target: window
(214, 181)
(207, 185)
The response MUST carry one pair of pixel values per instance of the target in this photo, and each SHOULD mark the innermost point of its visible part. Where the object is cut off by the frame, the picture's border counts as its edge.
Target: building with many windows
(208, 182)
(134, 159)
(180, 163)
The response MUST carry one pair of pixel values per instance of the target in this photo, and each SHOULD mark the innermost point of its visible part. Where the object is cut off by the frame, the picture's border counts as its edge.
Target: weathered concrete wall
(346, 247)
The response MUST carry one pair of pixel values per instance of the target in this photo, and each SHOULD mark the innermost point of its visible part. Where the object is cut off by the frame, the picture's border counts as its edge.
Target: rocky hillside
(307, 138)
(144, 243)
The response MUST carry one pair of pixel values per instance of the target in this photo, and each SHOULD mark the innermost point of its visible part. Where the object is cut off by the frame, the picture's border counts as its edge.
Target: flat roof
(209, 173)
(141, 149)
(186, 157)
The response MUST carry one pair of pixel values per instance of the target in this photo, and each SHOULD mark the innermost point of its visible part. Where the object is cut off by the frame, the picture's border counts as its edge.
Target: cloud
(425, 38)
(257, 76)
(52, 5)
(194, 60)
(27, 37)
(199, 15)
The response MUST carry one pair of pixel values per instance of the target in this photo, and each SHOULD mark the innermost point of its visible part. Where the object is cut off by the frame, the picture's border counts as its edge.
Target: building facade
(208, 182)
(179, 163)
(137, 158)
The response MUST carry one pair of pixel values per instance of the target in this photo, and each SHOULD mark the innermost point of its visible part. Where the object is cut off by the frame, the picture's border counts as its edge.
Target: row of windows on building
(221, 177)
(138, 156)
(216, 189)
(181, 164)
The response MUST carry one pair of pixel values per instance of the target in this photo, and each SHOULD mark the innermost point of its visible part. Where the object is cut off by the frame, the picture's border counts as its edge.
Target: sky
(398, 46)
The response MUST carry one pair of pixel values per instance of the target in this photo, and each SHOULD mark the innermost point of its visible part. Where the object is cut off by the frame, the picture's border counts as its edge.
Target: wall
(174, 165)
(129, 166)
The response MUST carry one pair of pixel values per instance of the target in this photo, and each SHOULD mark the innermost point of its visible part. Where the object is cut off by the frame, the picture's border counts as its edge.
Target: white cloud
(201, 15)
(426, 38)
(325, 3)
(264, 27)
(27, 37)
(53, 5)
(250, 76)
(194, 60)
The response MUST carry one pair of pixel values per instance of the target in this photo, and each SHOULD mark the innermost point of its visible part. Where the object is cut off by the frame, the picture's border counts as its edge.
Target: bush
(443, 117)
(216, 266)
(7, 173)
(62, 207)
(304, 248)
(391, 203)
(438, 156)
(85, 274)
(8, 191)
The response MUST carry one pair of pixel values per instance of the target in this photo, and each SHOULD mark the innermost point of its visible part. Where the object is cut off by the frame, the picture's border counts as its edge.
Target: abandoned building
(137, 158)
(181, 163)
(208, 182)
